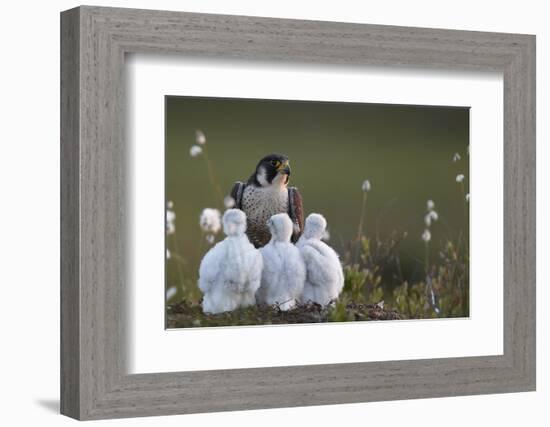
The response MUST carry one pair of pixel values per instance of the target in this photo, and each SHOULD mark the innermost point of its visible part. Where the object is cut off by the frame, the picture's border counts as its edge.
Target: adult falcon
(265, 194)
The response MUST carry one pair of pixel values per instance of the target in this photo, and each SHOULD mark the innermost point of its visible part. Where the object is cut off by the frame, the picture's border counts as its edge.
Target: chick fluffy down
(230, 273)
(284, 271)
(325, 278)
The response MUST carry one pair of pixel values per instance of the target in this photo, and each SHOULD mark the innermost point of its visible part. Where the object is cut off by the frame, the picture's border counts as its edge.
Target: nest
(188, 314)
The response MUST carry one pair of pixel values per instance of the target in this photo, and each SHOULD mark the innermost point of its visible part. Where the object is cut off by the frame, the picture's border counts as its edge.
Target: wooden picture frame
(94, 382)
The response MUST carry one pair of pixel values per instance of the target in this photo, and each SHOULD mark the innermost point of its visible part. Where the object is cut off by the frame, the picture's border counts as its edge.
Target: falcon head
(315, 227)
(272, 170)
(234, 222)
(280, 226)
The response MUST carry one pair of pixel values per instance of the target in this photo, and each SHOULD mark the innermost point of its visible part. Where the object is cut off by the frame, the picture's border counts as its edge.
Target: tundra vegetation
(375, 285)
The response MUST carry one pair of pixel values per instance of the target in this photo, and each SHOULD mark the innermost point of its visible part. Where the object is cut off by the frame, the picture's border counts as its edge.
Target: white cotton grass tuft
(170, 293)
(456, 157)
(366, 186)
(168, 254)
(195, 151)
(170, 219)
(210, 238)
(430, 205)
(426, 236)
(229, 202)
(429, 217)
(460, 178)
(428, 220)
(200, 137)
(467, 197)
(210, 220)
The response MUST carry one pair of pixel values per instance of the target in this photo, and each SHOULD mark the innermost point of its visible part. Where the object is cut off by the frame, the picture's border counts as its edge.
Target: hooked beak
(284, 168)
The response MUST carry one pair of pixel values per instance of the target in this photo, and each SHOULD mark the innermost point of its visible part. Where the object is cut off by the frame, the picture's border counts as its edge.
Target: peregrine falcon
(265, 194)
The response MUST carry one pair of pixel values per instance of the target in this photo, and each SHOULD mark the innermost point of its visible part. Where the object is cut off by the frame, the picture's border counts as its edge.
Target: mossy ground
(186, 315)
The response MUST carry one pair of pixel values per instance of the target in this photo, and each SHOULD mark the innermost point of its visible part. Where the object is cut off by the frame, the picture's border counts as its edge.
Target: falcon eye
(275, 163)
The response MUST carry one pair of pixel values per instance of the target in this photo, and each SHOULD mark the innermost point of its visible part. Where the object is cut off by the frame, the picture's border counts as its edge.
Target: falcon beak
(284, 168)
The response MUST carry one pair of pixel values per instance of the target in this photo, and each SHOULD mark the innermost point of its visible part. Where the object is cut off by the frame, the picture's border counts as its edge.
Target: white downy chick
(325, 278)
(230, 273)
(284, 271)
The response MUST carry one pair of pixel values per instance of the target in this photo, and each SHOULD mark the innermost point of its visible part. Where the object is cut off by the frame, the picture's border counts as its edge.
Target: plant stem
(199, 246)
(466, 218)
(360, 228)
(180, 272)
(427, 258)
(212, 177)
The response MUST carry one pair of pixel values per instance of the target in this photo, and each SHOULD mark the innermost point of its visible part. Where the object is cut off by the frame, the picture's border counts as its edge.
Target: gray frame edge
(94, 40)
(69, 152)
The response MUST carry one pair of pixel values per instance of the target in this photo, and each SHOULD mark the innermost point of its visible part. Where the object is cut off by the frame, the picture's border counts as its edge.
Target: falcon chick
(324, 278)
(284, 271)
(265, 194)
(230, 272)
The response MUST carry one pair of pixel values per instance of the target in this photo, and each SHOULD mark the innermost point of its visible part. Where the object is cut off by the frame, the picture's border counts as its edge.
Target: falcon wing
(296, 212)
(237, 194)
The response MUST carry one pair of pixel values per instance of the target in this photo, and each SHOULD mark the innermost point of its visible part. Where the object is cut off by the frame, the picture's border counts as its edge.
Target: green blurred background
(405, 151)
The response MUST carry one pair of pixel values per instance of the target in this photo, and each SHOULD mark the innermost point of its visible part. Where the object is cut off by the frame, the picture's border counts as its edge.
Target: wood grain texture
(70, 292)
(94, 382)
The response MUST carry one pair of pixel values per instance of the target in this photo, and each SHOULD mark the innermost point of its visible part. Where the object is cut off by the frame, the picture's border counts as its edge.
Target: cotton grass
(195, 150)
(210, 220)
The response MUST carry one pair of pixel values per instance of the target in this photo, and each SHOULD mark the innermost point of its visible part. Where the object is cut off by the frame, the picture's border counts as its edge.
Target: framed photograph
(341, 273)
(262, 213)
